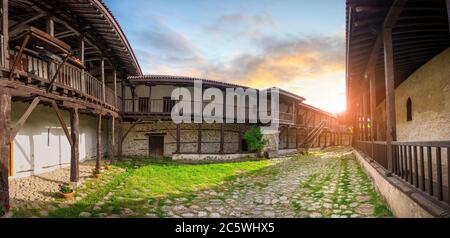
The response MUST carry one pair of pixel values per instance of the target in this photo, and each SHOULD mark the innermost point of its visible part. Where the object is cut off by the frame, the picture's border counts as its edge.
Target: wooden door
(156, 146)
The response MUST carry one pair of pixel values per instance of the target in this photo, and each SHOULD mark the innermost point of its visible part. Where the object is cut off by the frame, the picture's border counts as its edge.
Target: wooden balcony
(71, 80)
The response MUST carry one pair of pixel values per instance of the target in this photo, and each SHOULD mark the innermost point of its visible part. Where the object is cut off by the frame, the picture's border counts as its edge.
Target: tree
(255, 141)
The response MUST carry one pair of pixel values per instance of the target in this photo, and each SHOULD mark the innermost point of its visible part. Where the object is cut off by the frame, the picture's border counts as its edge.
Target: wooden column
(74, 152)
(296, 138)
(391, 134)
(239, 139)
(102, 62)
(178, 138)
(82, 50)
(149, 98)
(111, 138)
(122, 88)
(373, 100)
(222, 137)
(5, 125)
(50, 26)
(5, 33)
(115, 87)
(133, 95)
(119, 142)
(199, 138)
(99, 142)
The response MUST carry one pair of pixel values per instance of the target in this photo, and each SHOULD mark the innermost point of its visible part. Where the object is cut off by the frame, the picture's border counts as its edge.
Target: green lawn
(143, 184)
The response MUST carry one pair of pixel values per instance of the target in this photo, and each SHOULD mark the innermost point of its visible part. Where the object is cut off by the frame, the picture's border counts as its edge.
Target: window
(409, 110)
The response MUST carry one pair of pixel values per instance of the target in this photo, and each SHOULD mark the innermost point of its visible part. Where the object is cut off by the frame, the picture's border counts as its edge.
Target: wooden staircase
(313, 136)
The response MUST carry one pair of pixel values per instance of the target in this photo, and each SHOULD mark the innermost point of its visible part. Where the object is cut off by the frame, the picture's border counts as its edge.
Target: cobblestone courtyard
(324, 184)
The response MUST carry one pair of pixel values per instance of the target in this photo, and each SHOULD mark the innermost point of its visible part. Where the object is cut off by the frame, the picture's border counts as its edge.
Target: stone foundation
(211, 157)
(403, 200)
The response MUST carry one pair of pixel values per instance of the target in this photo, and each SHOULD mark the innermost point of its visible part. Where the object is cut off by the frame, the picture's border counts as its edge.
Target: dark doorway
(244, 145)
(156, 145)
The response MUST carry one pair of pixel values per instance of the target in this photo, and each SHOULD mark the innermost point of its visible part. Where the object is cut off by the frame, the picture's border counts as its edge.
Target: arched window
(409, 110)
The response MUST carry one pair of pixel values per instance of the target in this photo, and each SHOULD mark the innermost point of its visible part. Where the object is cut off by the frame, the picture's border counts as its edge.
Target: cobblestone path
(326, 183)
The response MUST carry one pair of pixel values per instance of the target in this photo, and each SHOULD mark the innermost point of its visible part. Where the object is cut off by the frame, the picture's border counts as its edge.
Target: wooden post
(99, 142)
(119, 142)
(239, 139)
(222, 137)
(296, 138)
(111, 138)
(149, 98)
(103, 79)
(50, 26)
(133, 95)
(391, 134)
(199, 138)
(5, 125)
(74, 151)
(178, 138)
(5, 33)
(82, 50)
(115, 88)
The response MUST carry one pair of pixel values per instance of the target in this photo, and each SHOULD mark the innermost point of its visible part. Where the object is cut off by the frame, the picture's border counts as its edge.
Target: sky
(296, 45)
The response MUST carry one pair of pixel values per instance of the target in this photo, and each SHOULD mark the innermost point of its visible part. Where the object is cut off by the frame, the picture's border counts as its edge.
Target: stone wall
(136, 143)
(403, 200)
(429, 90)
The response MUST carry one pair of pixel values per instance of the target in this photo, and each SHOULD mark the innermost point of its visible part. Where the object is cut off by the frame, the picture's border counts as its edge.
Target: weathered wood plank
(5, 124)
(391, 134)
(74, 152)
(99, 142)
(62, 122)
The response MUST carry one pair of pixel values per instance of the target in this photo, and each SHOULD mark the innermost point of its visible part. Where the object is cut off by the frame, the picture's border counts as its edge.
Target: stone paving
(323, 184)
(34, 191)
(327, 185)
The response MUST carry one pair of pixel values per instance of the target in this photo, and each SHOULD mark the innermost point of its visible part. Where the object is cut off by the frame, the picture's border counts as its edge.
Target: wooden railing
(286, 117)
(424, 165)
(69, 76)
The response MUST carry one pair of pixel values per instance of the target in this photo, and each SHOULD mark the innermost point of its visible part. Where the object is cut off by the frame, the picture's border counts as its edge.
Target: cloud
(241, 24)
(159, 44)
(284, 61)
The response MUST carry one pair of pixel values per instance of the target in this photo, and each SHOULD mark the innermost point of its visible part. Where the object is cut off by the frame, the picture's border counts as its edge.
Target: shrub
(65, 188)
(254, 139)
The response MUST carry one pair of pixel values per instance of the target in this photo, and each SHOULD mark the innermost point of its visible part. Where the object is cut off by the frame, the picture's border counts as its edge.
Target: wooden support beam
(222, 138)
(82, 55)
(103, 79)
(115, 87)
(99, 142)
(18, 56)
(239, 138)
(19, 124)
(62, 122)
(199, 138)
(5, 125)
(5, 33)
(55, 74)
(16, 28)
(111, 138)
(74, 151)
(391, 134)
(178, 139)
(50, 26)
(124, 136)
